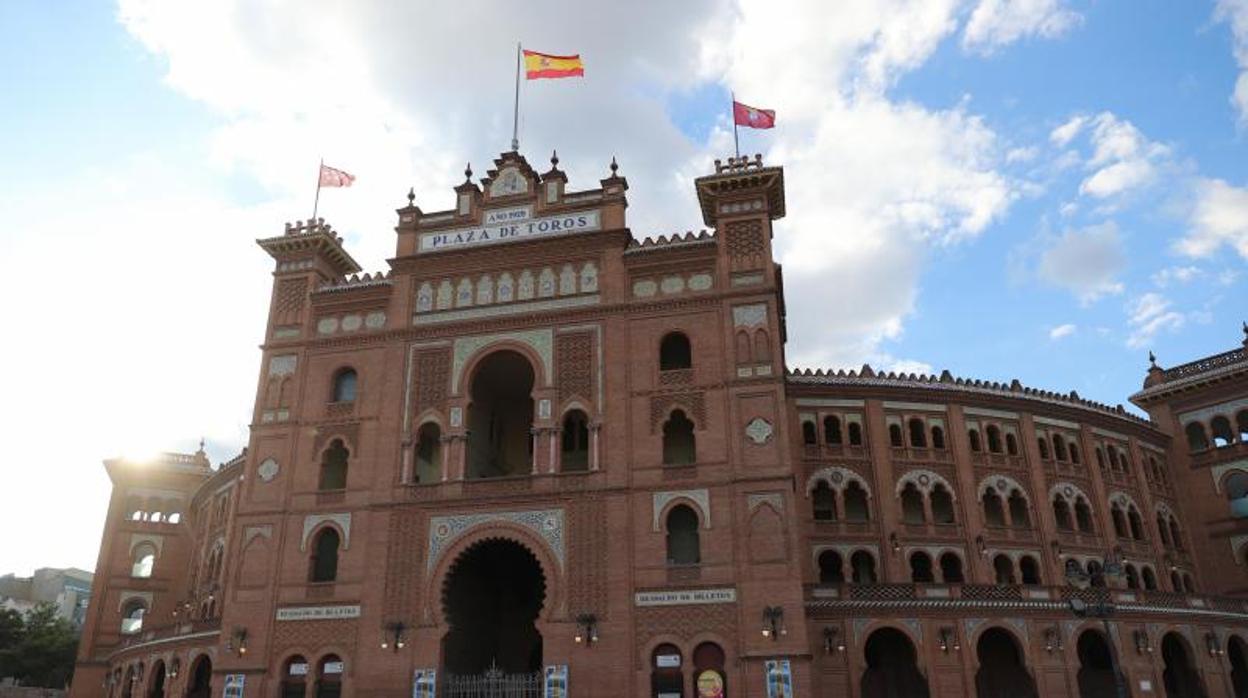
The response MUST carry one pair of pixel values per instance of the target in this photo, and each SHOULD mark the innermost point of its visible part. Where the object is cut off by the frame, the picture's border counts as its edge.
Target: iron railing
(494, 683)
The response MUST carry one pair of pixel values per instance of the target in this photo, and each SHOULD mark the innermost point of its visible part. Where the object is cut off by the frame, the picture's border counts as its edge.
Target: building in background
(536, 451)
(67, 589)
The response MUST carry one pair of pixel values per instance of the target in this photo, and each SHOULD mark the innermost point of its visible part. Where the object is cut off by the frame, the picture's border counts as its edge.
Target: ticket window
(709, 680)
(666, 676)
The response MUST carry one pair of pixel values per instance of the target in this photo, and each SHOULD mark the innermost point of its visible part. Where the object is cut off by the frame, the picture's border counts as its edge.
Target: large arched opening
(200, 683)
(1179, 676)
(492, 597)
(892, 671)
(500, 418)
(1096, 673)
(1237, 653)
(1002, 673)
(156, 680)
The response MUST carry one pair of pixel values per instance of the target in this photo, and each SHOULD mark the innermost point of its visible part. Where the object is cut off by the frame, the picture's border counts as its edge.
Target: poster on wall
(234, 685)
(425, 683)
(556, 681)
(710, 684)
(779, 678)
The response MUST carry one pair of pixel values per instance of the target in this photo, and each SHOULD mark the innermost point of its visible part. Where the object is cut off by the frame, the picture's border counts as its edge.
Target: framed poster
(710, 684)
(556, 681)
(779, 677)
(234, 685)
(425, 683)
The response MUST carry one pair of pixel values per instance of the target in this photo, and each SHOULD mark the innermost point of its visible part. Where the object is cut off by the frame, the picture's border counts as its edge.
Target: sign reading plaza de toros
(509, 225)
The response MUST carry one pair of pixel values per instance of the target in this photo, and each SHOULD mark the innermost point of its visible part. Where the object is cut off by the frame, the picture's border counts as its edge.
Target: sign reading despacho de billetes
(511, 225)
(318, 612)
(680, 597)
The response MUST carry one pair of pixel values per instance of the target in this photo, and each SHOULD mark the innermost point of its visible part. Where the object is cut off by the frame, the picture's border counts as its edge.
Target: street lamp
(1111, 567)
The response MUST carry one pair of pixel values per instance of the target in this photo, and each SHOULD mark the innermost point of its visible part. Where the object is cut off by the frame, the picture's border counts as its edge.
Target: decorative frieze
(547, 524)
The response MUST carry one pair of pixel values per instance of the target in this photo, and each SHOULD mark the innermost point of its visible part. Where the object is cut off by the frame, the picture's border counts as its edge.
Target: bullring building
(536, 457)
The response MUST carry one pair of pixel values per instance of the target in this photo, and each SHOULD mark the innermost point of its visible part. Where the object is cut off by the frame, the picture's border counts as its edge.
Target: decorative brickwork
(404, 576)
(432, 378)
(314, 634)
(745, 244)
(291, 296)
(349, 433)
(587, 555)
(574, 356)
(684, 621)
(692, 402)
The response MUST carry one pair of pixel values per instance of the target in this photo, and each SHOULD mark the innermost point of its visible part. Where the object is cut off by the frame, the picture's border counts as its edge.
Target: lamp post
(1111, 567)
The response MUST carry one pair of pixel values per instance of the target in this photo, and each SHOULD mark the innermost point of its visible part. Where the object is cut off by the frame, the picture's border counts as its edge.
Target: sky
(1035, 189)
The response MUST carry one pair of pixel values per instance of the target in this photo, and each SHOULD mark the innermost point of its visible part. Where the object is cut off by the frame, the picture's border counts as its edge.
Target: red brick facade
(879, 532)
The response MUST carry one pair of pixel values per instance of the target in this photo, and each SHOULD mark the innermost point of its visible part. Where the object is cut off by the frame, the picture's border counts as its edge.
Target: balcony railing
(170, 631)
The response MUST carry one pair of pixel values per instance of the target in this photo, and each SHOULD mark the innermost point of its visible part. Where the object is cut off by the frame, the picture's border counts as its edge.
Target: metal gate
(492, 684)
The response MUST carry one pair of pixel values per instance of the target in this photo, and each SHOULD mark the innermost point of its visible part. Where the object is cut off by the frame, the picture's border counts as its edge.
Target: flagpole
(735, 142)
(515, 114)
(317, 201)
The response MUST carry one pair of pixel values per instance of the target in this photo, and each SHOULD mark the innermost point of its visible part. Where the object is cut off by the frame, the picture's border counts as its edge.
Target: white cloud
(1064, 134)
(995, 23)
(1085, 261)
(1176, 275)
(1149, 315)
(1122, 157)
(1219, 217)
(1235, 12)
(1062, 331)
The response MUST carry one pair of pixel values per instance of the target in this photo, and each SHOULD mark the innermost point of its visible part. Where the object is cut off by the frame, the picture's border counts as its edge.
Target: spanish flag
(543, 65)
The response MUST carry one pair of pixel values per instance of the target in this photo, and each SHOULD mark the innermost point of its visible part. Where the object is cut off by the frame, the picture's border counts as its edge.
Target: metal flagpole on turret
(735, 142)
(317, 201)
(515, 114)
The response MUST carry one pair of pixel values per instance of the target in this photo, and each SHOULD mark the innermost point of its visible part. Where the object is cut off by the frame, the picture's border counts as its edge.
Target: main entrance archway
(500, 418)
(492, 597)
(892, 671)
(1002, 673)
(1180, 677)
(1096, 673)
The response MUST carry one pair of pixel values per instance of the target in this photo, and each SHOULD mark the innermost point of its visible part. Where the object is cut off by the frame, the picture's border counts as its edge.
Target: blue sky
(1040, 189)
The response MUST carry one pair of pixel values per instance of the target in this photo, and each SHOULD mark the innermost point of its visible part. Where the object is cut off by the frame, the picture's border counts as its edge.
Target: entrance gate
(492, 684)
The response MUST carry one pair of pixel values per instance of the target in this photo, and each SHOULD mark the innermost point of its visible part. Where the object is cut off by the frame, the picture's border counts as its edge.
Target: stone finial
(614, 166)
(1245, 329)
(411, 196)
(1152, 359)
(468, 173)
(200, 452)
(554, 159)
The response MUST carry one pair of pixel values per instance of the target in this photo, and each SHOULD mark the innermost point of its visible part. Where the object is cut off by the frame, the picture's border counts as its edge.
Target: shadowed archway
(1002, 673)
(491, 600)
(892, 671)
(500, 418)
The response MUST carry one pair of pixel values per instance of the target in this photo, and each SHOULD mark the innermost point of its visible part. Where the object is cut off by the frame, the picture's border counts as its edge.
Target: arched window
(1100, 458)
(429, 453)
(1150, 579)
(1222, 434)
(665, 671)
(921, 568)
(1061, 514)
(918, 434)
(1120, 521)
(1136, 525)
(832, 429)
(683, 545)
(951, 569)
(323, 566)
(1074, 453)
(1132, 576)
(1029, 569)
(329, 677)
(144, 560)
(679, 446)
(1059, 447)
(1083, 515)
(942, 505)
(1011, 444)
(994, 438)
(1043, 445)
(856, 508)
(863, 566)
(1003, 569)
(1176, 582)
(762, 347)
(855, 434)
(1095, 573)
(1236, 487)
(973, 435)
(1241, 424)
(994, 513)
(674, 352)
(823, 501)
(894, 436)
(1019, 516)
(1163, 530)
(1175, 536)
(574, 454)
(334, 466)
(345, 382)
(831, 569)
(294, 677)
(808, 434)
(1196, 438)
(132, 617)
(743, 347)
(938, 438)
(911, 504)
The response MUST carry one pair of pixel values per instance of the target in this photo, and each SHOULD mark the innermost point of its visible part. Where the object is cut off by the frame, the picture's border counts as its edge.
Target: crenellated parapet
(308, 245)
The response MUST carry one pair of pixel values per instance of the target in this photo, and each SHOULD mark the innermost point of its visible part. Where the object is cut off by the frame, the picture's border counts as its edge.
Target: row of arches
(153, 510)
(1219, 432)
(892, 667)
(153, 682)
